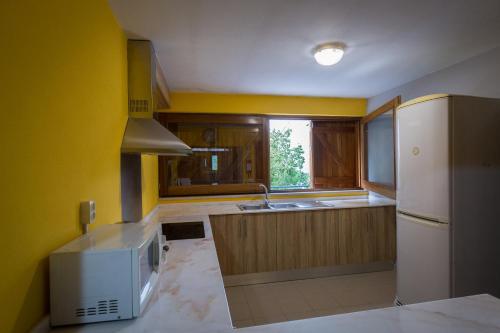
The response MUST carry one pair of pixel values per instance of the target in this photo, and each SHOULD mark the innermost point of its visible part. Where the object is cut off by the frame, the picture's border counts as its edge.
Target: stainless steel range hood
(147, 91)
(147, 136)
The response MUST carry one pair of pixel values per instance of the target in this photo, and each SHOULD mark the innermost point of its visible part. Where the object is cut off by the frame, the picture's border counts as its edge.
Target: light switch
(87, 212)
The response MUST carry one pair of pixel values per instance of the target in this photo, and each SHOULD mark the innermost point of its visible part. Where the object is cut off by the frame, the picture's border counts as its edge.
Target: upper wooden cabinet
(263, 242)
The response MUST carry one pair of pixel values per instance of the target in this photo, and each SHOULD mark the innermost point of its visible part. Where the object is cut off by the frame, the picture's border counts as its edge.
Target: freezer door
(423, 159)
(423, 260)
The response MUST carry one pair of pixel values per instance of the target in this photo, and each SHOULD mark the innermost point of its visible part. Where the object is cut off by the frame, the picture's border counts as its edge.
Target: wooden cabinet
(228, 239)
(322, 234)
(292, 252)
(279, 241)
(306, 239)
(366, 235)
(245, 243)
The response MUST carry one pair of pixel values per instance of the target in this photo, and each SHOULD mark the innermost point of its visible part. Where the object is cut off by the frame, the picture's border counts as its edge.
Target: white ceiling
(264, 46)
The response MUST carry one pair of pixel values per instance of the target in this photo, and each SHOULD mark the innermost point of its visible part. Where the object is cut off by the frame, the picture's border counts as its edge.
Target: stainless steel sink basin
(280, 205)
(253, 206)
(283, 205)
(312, 204)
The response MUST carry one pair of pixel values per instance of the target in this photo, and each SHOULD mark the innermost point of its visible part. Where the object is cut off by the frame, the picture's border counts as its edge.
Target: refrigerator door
(423, 260)
(423, 159)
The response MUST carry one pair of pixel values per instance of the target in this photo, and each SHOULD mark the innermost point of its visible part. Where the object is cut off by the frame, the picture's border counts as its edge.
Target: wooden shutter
(335, 154)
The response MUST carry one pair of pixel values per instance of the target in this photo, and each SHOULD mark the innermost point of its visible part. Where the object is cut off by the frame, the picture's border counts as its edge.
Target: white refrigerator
(448, 200)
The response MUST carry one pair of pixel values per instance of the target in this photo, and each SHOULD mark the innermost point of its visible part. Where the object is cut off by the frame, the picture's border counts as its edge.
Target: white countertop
(191, 298)
(225, 207)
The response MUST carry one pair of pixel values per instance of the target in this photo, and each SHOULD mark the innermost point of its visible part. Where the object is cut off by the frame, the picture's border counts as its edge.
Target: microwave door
(148, 269)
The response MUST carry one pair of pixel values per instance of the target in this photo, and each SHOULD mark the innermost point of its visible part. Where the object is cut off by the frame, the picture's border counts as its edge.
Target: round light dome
(329, 54)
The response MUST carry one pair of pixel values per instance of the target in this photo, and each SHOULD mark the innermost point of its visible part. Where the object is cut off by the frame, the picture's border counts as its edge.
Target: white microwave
(108, 274)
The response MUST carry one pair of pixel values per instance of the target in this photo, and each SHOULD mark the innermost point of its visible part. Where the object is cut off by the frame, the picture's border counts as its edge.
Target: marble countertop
(191, 298)
(225, 207)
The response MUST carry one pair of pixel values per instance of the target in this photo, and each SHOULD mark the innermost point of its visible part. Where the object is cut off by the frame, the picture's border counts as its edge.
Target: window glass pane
(222, 154)
(379, 152)
(290, 151)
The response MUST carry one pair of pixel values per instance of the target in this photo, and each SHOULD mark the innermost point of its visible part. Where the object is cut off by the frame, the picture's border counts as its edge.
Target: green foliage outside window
(287, 162)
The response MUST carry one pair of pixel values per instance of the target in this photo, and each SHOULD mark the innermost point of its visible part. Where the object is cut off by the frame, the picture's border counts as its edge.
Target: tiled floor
(281, 301)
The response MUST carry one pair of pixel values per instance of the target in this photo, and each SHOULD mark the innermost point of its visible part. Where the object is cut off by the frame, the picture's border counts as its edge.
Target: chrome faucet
(266, 192)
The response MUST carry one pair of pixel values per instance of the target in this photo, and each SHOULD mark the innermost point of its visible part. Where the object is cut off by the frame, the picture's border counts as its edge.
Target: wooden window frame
(215, 119)
(389, 191)
(254, 119)
(357, 120)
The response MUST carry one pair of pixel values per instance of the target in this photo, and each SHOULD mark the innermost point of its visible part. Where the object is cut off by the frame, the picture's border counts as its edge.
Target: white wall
(477, 76)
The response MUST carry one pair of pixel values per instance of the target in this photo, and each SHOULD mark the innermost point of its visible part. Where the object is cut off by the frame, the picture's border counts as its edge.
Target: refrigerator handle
(420, 217)
(423, 221)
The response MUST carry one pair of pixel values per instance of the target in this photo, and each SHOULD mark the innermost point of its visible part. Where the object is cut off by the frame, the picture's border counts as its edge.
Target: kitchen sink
(281, 205)
(253, 206)
(312, 204)
(284, 205)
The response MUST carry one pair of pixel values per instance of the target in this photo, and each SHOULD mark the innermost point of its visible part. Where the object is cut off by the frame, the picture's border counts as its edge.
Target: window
(290, 154)
(233, 154)
(378, 149)
(229, 154)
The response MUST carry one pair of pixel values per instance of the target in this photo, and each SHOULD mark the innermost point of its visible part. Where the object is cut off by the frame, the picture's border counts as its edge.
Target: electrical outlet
(87, 212)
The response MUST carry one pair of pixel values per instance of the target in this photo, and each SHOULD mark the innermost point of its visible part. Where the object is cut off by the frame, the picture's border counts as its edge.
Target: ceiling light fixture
(329, 54)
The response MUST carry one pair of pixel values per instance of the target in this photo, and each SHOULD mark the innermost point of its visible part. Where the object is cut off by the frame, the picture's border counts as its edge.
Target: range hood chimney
(147, 92)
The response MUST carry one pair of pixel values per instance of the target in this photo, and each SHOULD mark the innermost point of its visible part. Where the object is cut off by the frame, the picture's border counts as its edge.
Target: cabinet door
(228, 237)
(366, 235)
(292, 241)
(259, 243)
(322, 238)
(386, 233)
(378, 232)
(353, 235)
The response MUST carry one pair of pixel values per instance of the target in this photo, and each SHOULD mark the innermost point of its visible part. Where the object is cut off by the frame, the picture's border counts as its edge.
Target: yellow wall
(266, 104)
(64, 108)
